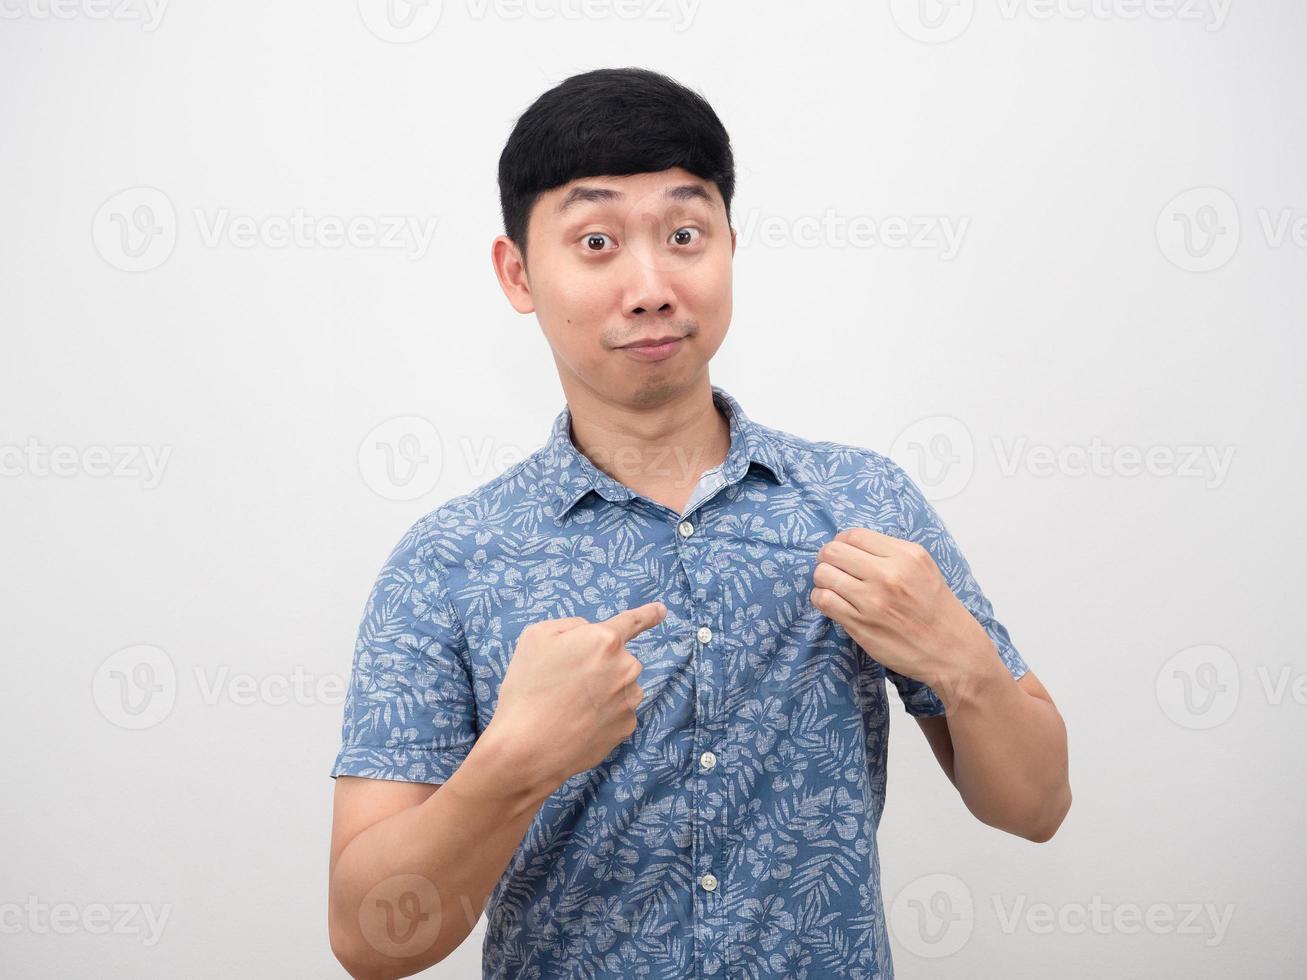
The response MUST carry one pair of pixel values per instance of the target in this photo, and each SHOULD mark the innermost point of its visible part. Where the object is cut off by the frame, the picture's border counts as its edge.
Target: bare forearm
(460, 840)
(1009, 748)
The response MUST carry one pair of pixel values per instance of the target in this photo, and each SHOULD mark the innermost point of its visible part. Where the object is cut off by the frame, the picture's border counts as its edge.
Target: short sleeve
(409, 710)
(919, 522)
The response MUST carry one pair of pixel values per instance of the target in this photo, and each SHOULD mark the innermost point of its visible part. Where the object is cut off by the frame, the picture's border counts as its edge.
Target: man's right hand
(570, 693)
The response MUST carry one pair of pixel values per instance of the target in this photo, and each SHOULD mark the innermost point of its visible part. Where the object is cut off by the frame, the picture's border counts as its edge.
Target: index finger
(871, 541)
(630, 623)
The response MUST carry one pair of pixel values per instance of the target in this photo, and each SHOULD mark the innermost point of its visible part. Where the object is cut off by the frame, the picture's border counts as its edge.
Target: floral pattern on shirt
(609, 880)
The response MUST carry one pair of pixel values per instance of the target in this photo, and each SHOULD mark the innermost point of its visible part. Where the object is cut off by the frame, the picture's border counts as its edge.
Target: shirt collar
(573, 475)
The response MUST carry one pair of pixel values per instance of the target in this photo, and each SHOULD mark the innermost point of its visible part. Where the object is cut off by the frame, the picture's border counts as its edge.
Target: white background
(1062, 137)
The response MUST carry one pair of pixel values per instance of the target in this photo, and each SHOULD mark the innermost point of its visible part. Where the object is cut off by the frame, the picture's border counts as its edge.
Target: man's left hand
(892, 599)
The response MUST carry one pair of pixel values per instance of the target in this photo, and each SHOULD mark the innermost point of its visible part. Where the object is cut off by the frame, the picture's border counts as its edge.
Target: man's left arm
(1000, 740)
(1004, 747)
(911, 602)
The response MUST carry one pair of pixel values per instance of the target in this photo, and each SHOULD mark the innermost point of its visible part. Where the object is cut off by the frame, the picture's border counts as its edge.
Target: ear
(510, 270)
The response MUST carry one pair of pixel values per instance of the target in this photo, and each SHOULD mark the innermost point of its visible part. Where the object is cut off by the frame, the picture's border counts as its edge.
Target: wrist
(971, 677)
(511, 767)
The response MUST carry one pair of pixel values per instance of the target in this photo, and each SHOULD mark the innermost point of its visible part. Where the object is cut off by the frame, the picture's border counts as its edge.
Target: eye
(594, 242)
(684, 236)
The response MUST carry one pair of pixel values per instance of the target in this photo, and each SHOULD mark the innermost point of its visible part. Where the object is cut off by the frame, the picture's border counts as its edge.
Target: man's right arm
(459, 836)
(413, 864)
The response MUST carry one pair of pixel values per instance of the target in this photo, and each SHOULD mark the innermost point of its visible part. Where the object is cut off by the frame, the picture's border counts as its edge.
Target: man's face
(615, 260)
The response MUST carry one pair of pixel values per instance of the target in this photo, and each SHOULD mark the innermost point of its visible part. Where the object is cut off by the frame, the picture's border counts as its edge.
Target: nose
(649, 288)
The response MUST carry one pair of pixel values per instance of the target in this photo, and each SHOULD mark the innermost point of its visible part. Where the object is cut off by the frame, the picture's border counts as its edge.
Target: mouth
(654, 349)
(653, 342)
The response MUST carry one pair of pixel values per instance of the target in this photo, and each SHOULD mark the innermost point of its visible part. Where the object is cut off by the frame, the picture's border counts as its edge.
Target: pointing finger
(630, 623)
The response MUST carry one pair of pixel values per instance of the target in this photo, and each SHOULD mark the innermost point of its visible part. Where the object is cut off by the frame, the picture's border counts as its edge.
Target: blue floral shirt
(733, 834)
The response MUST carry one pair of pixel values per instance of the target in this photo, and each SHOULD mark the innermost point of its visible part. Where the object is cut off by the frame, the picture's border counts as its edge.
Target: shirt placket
(695, 552)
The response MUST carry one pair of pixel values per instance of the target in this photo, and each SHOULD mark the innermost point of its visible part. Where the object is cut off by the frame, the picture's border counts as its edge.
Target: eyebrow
(585, 193)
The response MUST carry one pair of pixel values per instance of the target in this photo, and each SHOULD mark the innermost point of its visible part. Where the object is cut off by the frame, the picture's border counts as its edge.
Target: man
(632, 691)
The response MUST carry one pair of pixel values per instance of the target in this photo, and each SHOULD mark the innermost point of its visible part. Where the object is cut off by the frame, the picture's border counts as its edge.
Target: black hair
(610, 122)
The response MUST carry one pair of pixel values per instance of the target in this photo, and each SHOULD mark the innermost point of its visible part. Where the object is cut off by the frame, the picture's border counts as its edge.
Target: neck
(659, 445)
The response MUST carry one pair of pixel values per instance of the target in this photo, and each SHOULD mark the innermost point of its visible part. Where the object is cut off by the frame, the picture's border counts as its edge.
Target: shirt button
(685, 529)
(707, 760)
(705, 634)
(709, 882)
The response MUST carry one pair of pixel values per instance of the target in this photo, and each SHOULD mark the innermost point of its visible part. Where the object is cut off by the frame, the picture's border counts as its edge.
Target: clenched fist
(892, 599)
(570, 692)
